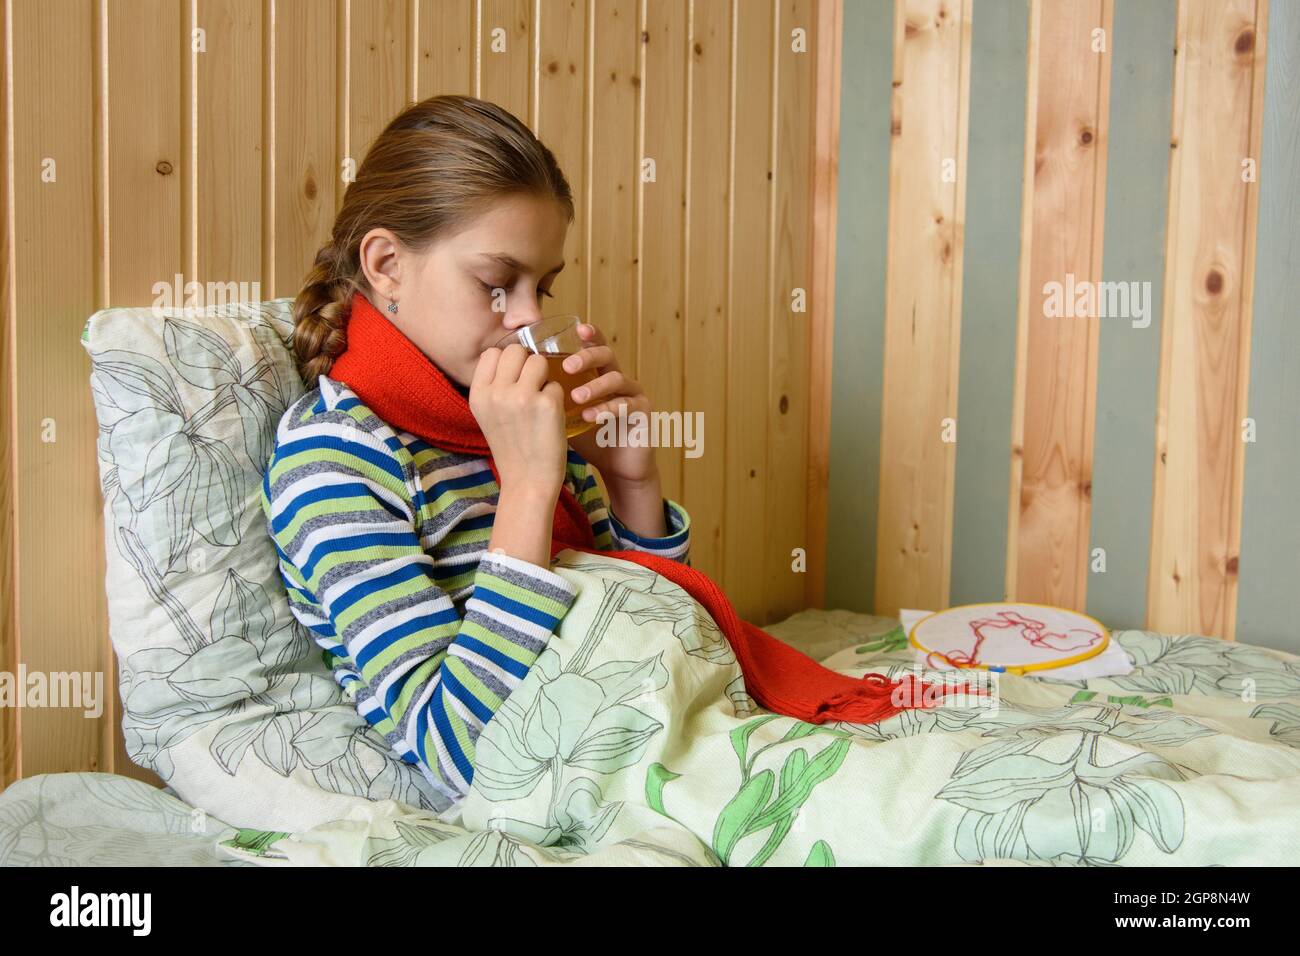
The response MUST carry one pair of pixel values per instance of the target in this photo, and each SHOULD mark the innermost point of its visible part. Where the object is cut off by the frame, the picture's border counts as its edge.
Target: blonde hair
(437, 165)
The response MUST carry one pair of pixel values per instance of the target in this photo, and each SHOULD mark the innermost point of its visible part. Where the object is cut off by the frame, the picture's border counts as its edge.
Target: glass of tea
(556, 338)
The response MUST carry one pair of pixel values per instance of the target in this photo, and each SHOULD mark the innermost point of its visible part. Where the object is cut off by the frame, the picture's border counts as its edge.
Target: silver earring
(392, 306)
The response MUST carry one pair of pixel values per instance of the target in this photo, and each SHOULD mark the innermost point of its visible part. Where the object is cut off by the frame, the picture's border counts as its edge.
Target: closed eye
(491, 289)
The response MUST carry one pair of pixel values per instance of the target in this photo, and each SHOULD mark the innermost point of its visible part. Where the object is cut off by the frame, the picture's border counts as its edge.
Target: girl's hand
(610, 391)
(522, 417)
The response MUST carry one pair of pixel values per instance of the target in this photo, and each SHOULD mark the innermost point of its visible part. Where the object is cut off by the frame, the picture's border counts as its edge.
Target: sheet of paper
(1112, 662)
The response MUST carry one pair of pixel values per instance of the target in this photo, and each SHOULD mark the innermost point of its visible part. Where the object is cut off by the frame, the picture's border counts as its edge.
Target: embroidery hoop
(1011, 668)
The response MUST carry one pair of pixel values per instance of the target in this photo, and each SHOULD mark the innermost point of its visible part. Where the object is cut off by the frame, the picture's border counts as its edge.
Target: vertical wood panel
(789, 331)
(229, 148)
(146, 167)
(445, 50)
(923, 302)
(307, 186)
(663, 258)
(821, 343)
(61, 629)
(505, 75)
(1051, 483)
(612, 151)
(749, 304)
(9, 757)
(705, 357)
(377, 70)
(561, 124)
(1205, 343)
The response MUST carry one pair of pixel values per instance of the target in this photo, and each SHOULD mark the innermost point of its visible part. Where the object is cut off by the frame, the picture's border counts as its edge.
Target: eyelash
(489, 288)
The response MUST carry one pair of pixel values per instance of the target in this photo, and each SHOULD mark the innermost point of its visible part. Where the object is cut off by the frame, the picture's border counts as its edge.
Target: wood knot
(698, 49)
(783, 405)
(752, 473)
(1214, 282)
(1086, 137)
(1245, 42)
(309, 187)
(163, 168)
(552, 67)
(1231, 565)
(645, 36)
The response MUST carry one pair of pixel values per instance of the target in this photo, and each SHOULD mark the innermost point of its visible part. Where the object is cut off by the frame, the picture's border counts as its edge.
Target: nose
(519, 316)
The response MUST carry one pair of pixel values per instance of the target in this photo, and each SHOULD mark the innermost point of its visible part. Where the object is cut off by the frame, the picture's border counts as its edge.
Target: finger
(593, 356)
(512, 361)
(605, 386)
(589, 333)
(533, 373)
(558, 392)
(620, 406)
(485, 370)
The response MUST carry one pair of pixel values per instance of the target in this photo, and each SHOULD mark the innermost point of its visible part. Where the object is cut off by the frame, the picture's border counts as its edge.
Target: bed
(1166, 765)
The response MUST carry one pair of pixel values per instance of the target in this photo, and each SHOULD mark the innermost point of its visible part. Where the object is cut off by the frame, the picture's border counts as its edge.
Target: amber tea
(573, 422)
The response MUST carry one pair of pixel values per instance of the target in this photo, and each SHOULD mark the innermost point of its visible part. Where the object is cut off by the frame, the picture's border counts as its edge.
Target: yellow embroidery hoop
(1012, 668)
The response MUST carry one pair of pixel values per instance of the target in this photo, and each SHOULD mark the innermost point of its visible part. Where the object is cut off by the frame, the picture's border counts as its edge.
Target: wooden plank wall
(923, 300)
(1170, 545)
(1066, 134)
(209, 138)
(1205, 344)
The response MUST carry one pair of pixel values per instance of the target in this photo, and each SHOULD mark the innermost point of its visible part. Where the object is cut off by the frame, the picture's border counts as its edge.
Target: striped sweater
(382, 543)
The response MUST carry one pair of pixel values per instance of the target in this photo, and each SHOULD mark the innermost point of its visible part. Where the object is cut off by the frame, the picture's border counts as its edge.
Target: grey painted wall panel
(1269, 565)
(1137, 198)
(862, 228)
(990, 282)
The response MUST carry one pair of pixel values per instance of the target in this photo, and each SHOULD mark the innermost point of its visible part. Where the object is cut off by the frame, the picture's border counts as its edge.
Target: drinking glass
(555, 338)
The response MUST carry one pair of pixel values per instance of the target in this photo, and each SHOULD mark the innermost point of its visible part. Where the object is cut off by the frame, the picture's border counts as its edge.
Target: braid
(320, 314)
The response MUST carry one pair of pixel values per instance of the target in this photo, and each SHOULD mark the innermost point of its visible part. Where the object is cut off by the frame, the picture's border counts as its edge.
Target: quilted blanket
(633, 735)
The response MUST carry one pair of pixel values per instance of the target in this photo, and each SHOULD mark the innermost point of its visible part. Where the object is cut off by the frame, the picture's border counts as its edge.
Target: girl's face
(510, 256)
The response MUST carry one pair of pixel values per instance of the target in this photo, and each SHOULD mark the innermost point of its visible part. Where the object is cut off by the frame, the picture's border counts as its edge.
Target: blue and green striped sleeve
(340, 511)
(613, 535)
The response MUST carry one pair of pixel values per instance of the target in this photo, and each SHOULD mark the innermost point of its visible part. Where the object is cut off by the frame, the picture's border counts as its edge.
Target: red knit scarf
(403, 387)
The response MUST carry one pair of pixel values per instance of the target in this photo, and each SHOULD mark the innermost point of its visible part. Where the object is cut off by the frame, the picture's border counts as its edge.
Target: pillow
(225, 695)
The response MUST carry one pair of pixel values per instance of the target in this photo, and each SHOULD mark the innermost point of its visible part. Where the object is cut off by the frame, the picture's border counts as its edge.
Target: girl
(425, 576)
